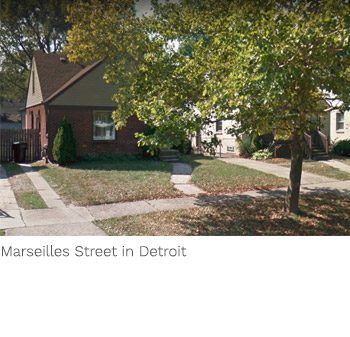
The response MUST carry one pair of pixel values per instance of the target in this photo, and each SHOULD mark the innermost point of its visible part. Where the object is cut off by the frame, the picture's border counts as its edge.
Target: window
(38, 121)
(340, 121)
(31, 120)
(218, 126)
(103, 126)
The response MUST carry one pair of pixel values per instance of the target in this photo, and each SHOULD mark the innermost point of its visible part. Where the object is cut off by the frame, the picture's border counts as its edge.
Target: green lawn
(26, 195)
(322, 215)
(315, 167)
(215, 176)
(114, 180)
(2, 233)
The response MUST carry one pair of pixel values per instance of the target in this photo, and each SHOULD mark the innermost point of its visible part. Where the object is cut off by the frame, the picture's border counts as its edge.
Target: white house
(337, 126)
(228, 143)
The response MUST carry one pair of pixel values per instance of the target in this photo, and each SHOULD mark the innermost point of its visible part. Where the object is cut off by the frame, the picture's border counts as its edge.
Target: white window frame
(98, 138)
(337, 121)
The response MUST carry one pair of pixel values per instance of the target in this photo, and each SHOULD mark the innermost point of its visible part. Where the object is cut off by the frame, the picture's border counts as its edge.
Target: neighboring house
(228, 143)
(10, 117)
(337, 126)
(59, 89)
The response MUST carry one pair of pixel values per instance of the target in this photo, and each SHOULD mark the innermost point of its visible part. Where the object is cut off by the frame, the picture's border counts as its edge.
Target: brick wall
(81, 119)
(39, 121)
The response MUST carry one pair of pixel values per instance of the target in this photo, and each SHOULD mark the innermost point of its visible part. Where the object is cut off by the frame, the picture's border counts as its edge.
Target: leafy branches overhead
(268, 65)
(26, 26)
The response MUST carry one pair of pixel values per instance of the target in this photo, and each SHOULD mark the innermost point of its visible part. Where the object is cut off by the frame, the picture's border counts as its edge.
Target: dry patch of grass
(324, 214)
(314, 167)
(109, 181)
(215, 176)
(26, 195)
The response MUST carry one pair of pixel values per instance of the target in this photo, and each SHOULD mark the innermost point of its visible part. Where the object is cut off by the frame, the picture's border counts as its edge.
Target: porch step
(319, 154)
(169, 155)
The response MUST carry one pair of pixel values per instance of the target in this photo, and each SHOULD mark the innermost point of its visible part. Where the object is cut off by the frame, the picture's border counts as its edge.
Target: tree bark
(297, 155)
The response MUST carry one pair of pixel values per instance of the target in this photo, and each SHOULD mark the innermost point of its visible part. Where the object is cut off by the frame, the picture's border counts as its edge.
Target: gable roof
(55, 73)
(72, 80)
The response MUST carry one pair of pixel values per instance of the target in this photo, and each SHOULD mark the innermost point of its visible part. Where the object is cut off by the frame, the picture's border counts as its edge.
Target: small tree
(64, 146)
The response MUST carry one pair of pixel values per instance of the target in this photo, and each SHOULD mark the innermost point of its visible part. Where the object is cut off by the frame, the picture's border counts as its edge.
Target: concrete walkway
(118, 210)
(337, 164)
(57, 219)
(277, 170)
(10, 213)
(51, 198)
(181, 178)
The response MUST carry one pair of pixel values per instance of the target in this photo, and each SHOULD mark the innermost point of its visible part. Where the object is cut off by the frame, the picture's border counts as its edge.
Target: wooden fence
(31, 137)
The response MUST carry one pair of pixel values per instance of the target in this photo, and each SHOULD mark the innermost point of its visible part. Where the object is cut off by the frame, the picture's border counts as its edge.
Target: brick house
(59, 89)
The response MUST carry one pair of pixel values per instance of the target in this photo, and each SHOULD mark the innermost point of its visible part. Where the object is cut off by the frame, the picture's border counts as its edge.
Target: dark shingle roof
(72, 80)
(52, 72)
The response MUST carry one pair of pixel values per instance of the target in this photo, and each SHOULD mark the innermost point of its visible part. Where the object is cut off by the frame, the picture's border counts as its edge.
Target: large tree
(266, 65)
(26, 26)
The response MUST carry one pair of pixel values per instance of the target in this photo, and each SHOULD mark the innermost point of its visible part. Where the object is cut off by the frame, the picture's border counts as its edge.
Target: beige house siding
(228, 142)
(34, 97)
(91, 90)
(335, 134)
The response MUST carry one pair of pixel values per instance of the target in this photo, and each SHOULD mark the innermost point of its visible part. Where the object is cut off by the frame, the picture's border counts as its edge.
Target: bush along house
(59, 89)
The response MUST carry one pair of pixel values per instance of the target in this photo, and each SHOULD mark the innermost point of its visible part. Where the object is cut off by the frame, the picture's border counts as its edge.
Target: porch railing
(324, 141)
(308, 145)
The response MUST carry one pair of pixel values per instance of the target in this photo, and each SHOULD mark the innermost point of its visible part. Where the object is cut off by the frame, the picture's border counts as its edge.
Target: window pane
(218, 126)
(103, 126)
(340, 121)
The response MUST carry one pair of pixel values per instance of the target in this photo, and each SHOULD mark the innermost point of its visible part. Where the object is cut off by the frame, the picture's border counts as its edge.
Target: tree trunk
(297, 154)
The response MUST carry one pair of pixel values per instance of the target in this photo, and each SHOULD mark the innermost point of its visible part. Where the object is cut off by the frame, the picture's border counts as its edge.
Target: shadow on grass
(196, 160)
(120, 163)
(12, 169)
(323, 214)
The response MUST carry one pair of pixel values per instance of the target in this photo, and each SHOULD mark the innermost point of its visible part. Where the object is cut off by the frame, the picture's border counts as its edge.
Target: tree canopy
(26, 26)
(266, 65)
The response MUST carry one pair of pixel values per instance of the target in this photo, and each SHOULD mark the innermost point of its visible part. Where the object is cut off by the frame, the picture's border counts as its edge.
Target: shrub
(64, 146)
(185, 147)
(210, 146)
(262, 155)
(342, 147)
(246, 146)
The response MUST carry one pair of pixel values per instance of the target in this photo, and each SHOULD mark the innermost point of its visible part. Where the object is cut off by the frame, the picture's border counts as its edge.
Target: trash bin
(19, 151)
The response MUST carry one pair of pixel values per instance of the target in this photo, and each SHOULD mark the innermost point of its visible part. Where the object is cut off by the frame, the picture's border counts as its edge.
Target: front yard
(26, 195)
(215, 176)
(109, 181)
(324, 214)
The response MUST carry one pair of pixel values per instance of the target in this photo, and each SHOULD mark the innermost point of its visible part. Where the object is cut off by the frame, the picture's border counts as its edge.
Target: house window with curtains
(103, 126)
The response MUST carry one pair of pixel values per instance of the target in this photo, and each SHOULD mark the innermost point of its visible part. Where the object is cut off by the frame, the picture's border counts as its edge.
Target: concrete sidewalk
(337, 164)
(10, 213)
(277, 170)
(57, 219)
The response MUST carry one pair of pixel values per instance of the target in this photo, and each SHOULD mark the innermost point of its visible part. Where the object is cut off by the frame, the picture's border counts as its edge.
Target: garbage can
(19, 151)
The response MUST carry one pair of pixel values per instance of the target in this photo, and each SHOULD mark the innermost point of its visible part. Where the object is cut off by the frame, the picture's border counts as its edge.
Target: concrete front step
(169, 155)
(171, 160)
(169, 152)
